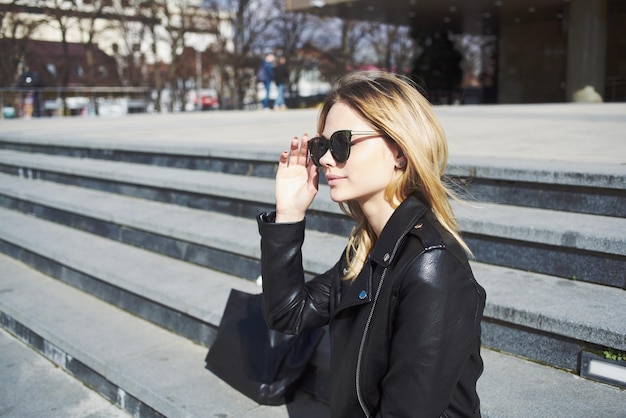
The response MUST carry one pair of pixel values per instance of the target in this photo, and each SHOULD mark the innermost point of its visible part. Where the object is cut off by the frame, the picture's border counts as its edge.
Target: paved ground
(572, 133)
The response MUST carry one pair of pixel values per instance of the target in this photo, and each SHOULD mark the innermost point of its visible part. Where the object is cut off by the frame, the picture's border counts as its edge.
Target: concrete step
(573, 187)
(514, 388)
(150, 372)
(177, 295)
(560, 244)
(586, 247)
(58, 394)
(576, 246)
(120, 273)
(598, 189)
(142, 368)
(214, 191)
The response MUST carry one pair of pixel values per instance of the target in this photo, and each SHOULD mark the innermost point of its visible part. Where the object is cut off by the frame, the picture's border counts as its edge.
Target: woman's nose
(327, 159)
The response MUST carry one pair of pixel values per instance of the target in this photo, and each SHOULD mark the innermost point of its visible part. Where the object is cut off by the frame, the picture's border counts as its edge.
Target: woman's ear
(400, 160)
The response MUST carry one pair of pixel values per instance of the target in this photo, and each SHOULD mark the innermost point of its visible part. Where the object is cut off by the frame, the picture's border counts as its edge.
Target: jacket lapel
(386, 248)
(399, 225)
(359, 292)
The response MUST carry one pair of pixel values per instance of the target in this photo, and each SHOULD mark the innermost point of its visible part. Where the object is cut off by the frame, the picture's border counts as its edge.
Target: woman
(402, 304)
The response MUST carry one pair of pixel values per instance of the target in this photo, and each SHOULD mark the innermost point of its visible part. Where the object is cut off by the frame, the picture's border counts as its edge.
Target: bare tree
(392, 46)
(244, 33)
(89, 31)
(353, 35)
(151, 12)
(175, 29)
(16, 27)
(62, 14)
(134, 28)
(180, 19)
(293, 30)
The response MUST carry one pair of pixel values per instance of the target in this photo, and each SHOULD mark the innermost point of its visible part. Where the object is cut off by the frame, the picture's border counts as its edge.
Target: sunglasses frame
(328, 144)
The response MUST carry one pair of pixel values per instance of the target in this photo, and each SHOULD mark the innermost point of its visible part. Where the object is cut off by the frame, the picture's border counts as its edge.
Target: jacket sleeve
(435, 341)
(290, 304)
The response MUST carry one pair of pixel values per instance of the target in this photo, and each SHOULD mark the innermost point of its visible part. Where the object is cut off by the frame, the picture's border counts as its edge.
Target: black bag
(263, 364)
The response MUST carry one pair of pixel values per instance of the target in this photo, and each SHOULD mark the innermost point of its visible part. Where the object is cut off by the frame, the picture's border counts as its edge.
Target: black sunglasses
(339, 145)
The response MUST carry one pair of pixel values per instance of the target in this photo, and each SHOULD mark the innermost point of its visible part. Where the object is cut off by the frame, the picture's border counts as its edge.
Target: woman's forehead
(341, 116)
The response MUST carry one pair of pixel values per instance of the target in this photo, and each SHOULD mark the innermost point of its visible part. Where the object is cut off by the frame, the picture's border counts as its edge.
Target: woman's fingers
(304, 150)
(286, 157)
(294, 150)
(297, 154)
(283, 160)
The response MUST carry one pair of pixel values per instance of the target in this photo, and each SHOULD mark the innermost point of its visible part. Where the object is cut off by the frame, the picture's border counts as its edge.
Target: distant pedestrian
(265, 75)
(281, 78)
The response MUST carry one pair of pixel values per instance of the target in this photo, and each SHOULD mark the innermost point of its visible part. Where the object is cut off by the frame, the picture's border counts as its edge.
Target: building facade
(546, 50)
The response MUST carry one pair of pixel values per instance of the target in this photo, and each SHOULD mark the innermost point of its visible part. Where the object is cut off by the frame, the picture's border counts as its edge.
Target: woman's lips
(333, 179)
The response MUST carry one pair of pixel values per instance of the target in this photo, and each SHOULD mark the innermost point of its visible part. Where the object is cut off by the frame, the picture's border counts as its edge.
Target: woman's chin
(338, 197)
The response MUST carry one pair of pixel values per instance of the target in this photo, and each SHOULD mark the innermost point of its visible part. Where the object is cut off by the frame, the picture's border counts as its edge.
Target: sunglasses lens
(317, 148)
(340, 145)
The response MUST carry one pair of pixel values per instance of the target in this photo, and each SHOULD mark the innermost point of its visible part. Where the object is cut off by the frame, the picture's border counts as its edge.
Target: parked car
(208, 102)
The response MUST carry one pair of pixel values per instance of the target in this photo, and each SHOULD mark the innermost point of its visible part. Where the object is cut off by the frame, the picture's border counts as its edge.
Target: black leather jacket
(405, 335)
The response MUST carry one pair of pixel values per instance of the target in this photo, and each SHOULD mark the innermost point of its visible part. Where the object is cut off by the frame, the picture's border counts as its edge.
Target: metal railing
(24, 102)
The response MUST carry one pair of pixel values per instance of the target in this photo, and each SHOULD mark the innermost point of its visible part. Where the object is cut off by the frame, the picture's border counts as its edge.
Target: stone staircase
(117, 263)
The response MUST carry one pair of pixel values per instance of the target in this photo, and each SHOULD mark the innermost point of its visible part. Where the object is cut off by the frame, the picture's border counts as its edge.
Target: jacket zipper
(362, 346)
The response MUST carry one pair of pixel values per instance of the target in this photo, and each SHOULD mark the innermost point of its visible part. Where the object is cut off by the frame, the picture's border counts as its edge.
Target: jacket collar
(402, 221)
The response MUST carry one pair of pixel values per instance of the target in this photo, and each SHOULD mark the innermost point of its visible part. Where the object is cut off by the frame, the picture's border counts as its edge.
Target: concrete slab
(514, 388)
(551, 133)
(31, 386)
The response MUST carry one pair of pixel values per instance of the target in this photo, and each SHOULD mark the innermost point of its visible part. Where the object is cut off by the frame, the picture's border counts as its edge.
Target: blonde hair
(392, 104)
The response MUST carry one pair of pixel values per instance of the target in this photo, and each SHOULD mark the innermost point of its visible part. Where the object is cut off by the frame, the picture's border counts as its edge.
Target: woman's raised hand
(296, 182)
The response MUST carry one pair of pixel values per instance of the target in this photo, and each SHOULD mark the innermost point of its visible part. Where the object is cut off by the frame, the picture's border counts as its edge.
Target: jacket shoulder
(429, 235)
(433, 235)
